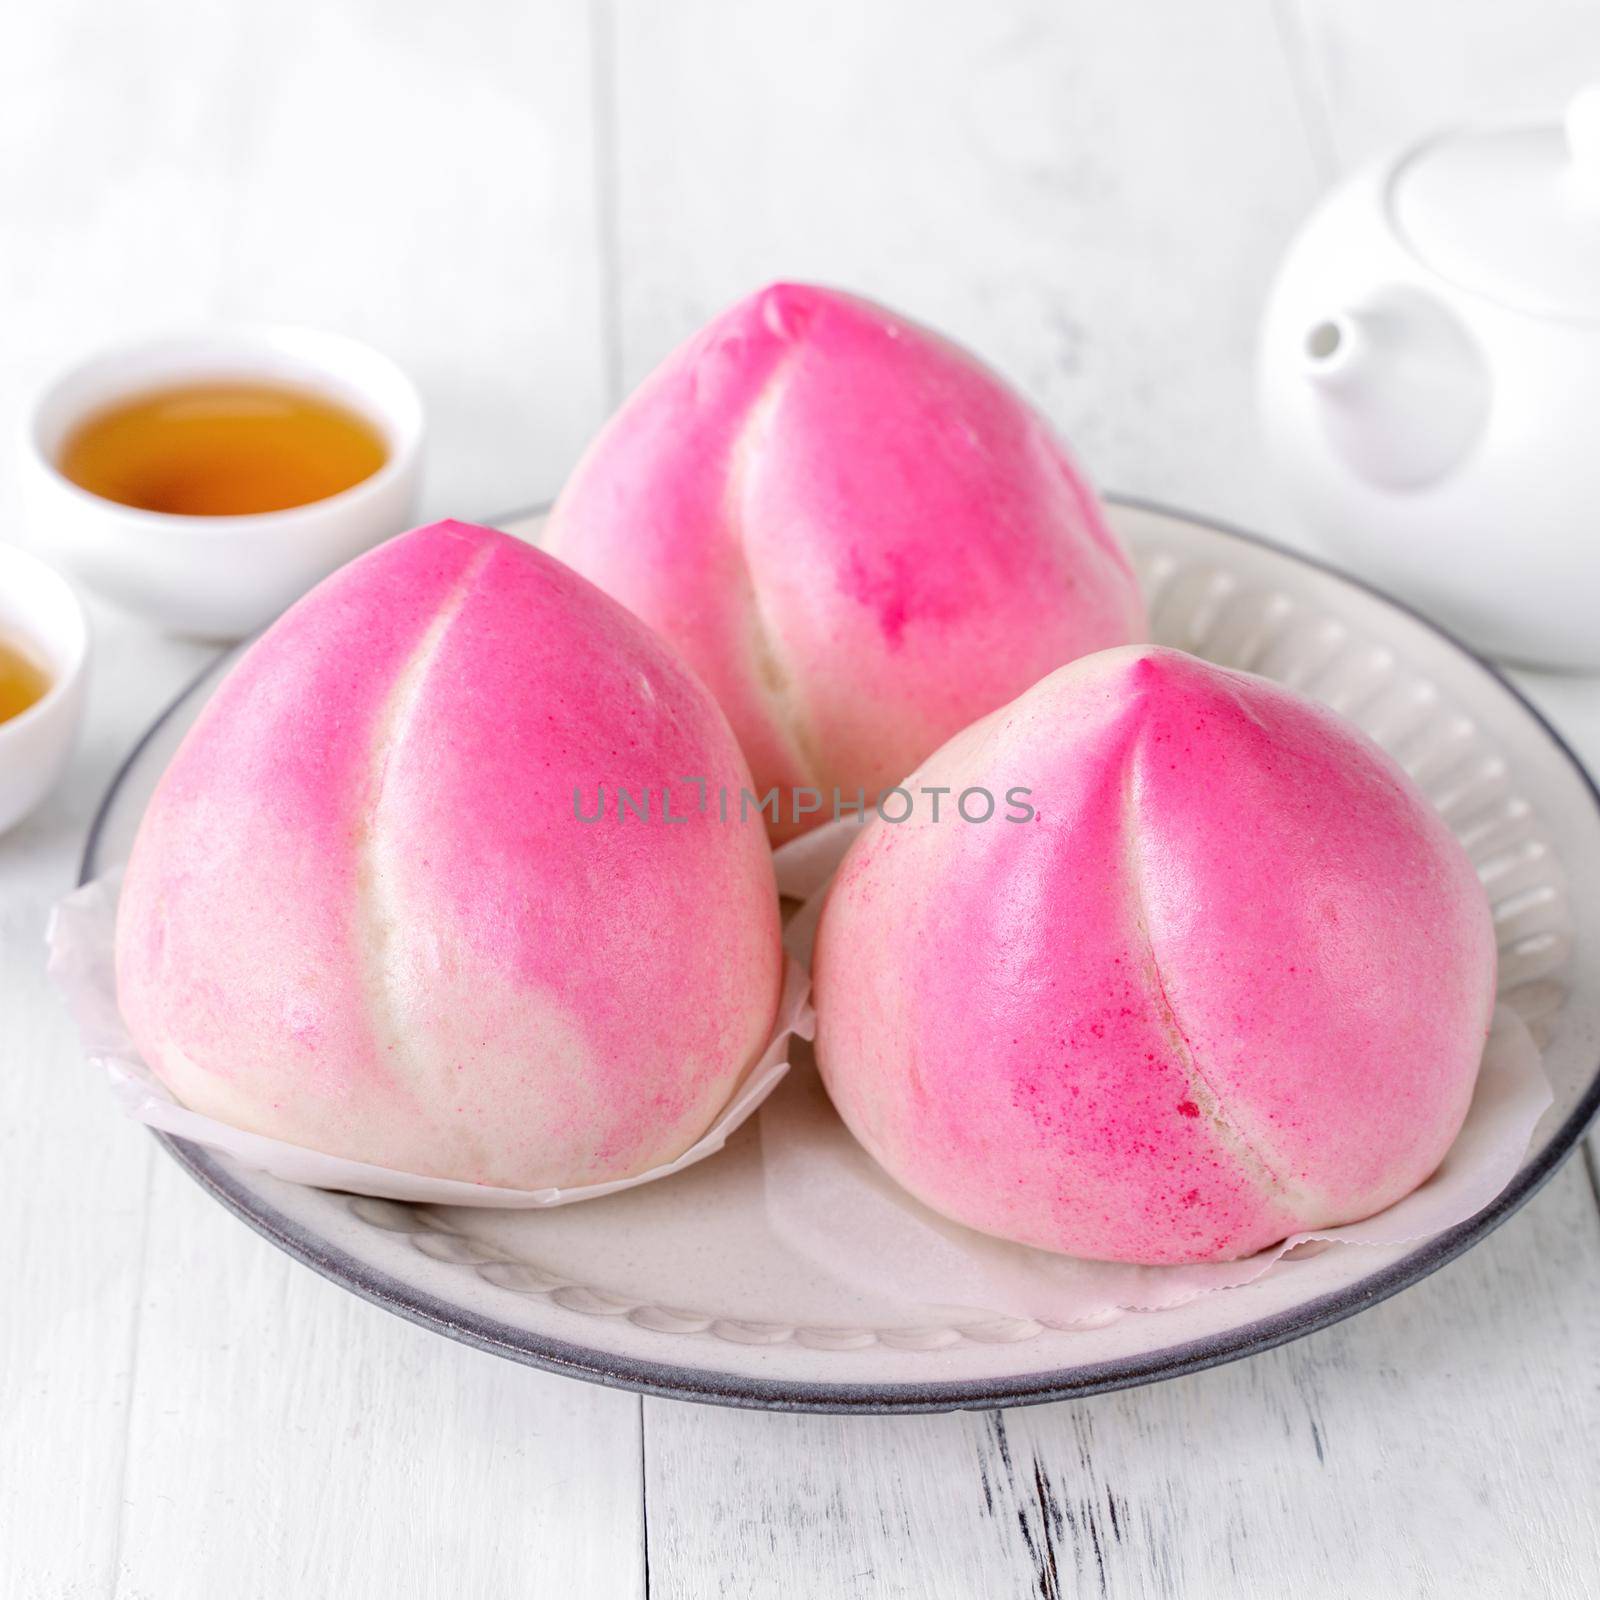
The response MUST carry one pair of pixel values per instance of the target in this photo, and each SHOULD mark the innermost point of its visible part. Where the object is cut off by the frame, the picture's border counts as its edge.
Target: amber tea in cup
(222, 449)
(23, 681)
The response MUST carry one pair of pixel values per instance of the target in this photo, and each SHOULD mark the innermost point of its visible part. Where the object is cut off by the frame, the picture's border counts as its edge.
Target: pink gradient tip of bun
(857, 534)
(1232, 982)
(362, 916)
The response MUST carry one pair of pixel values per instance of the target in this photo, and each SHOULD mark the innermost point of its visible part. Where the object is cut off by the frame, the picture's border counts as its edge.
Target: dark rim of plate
(673, 1381)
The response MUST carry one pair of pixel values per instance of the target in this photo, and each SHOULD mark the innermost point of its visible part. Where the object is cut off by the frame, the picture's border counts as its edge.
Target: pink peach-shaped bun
(855, 532)
(363, 915)
(1231, 981)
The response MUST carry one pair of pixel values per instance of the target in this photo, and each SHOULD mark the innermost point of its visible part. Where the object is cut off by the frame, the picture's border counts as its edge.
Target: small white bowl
(39, 609)
(222, 577)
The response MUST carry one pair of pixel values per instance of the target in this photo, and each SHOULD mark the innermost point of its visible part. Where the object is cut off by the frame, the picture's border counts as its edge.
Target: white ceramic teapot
(1429, 381)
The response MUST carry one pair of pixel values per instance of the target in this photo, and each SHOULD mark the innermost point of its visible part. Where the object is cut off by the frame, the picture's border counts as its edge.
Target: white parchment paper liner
(82, 938)
(831, 1203)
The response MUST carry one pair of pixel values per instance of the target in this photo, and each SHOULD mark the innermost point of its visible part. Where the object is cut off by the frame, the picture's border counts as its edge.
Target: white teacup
(39, 609)
(221, 577)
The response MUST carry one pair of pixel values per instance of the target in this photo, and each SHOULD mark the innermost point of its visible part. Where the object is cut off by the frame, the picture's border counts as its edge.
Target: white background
(528, 204)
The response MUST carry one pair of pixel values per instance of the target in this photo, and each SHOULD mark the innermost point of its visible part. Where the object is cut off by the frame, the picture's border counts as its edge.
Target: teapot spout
(1333, 356)
(1401, 387)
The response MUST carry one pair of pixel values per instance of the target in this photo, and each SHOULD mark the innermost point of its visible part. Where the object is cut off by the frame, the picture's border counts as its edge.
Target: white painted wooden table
(528, 204)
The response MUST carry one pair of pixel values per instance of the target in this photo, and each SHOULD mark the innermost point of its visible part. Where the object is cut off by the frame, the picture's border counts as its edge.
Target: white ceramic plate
(678, 1288)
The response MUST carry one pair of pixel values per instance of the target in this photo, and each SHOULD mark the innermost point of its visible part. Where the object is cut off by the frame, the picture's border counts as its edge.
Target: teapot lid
(1511, 213)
